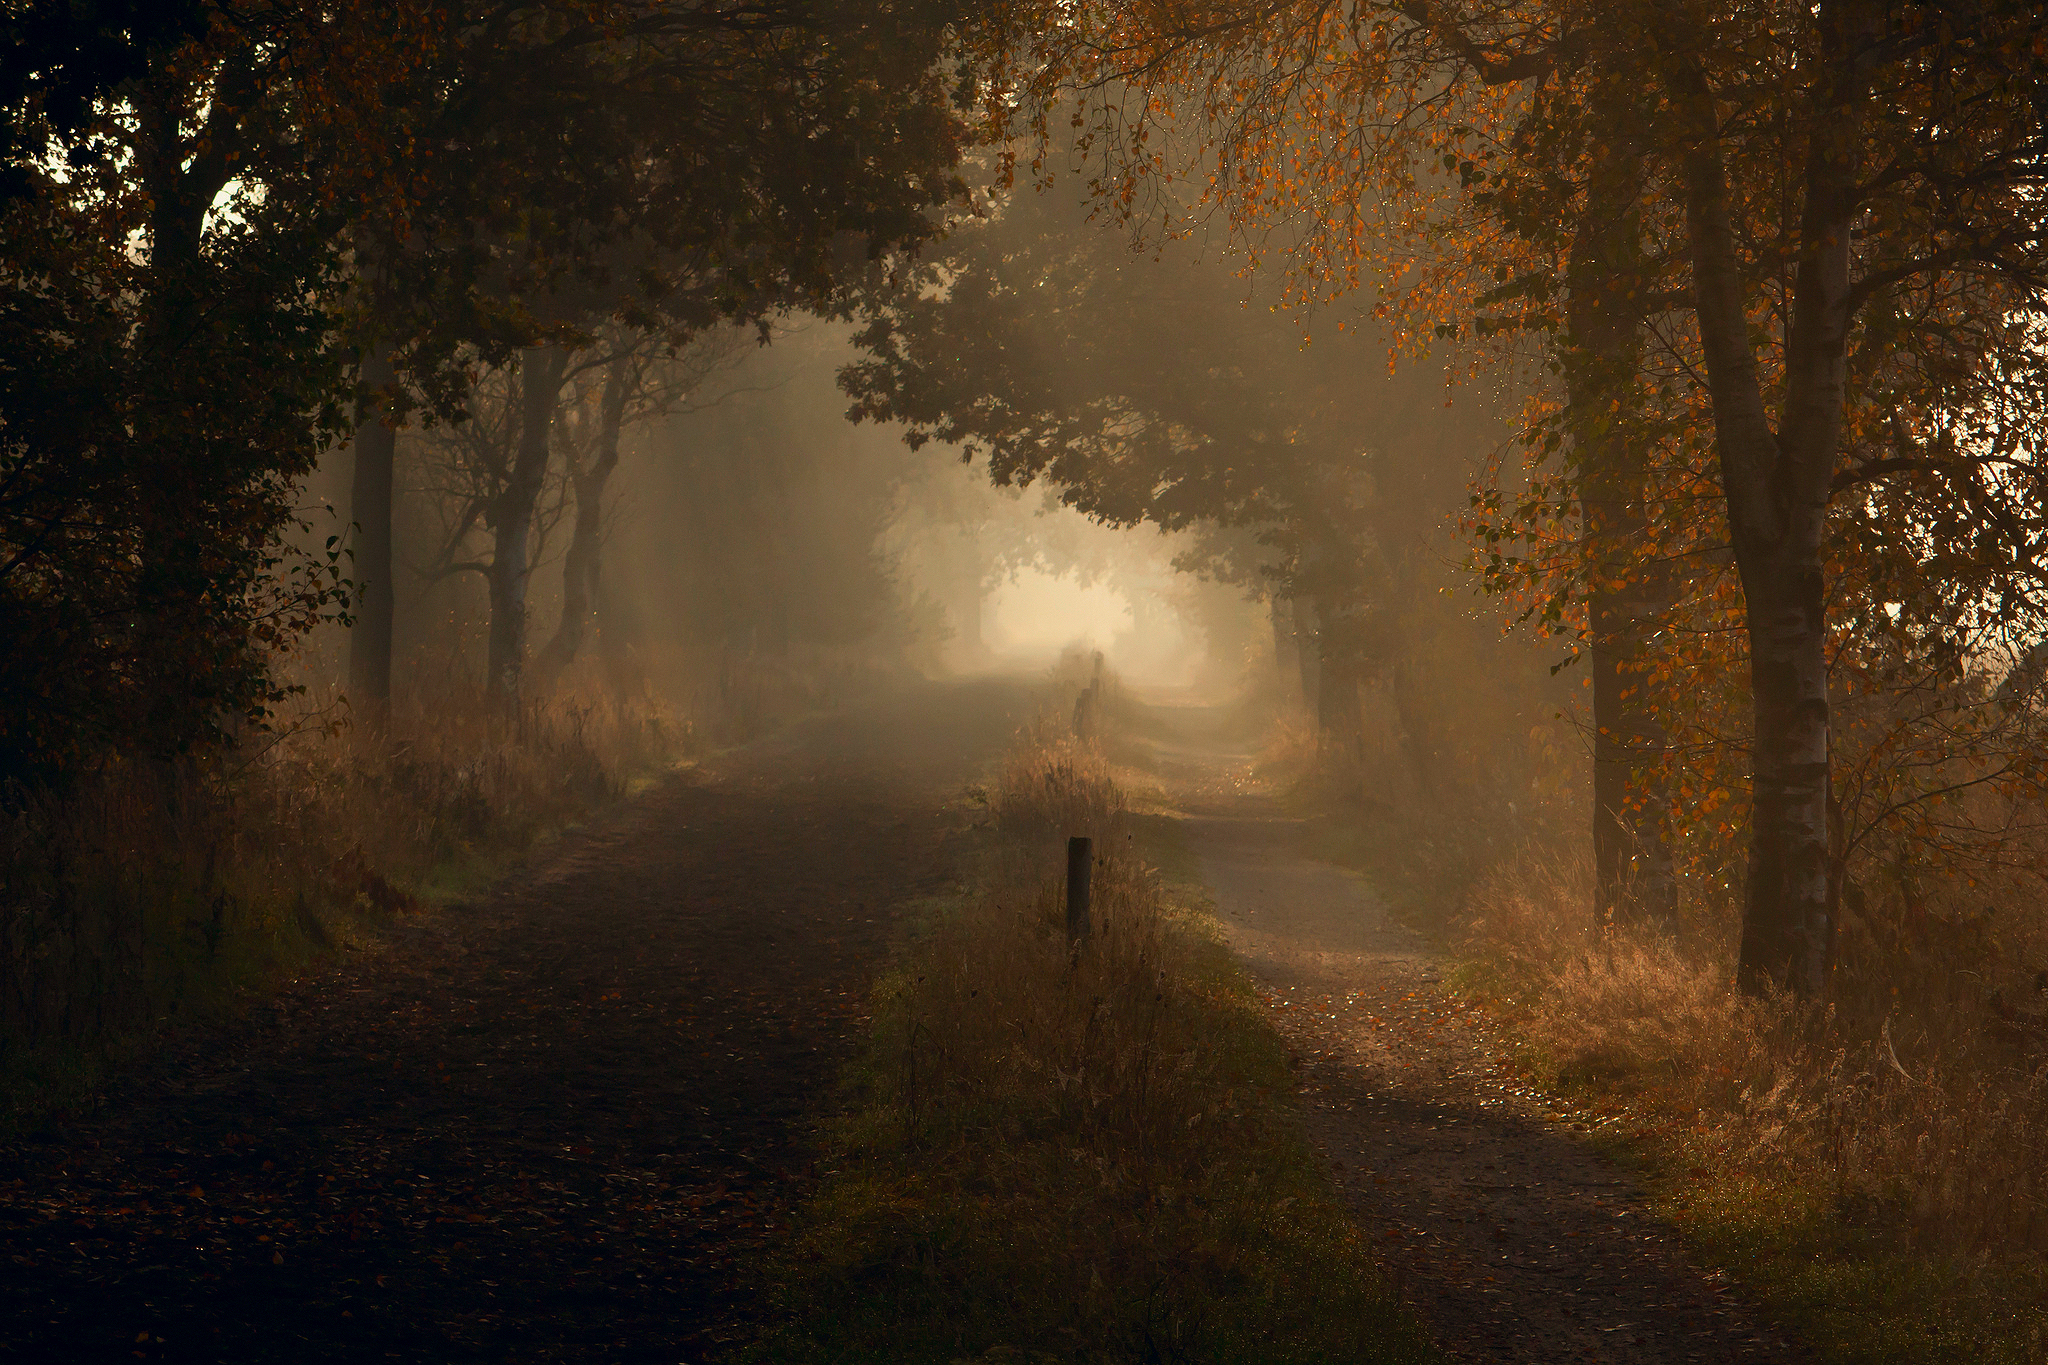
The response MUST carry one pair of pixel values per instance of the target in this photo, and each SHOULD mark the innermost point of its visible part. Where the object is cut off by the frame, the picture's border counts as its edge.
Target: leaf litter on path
(548, 1126)
(1515, 1238)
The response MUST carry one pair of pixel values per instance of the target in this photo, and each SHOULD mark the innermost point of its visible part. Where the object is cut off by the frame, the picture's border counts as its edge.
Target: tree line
(237, 236)
(1765, 282)
(1773, 277)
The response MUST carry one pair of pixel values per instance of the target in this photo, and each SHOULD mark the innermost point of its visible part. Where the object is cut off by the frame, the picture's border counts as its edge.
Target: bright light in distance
(1041, 614)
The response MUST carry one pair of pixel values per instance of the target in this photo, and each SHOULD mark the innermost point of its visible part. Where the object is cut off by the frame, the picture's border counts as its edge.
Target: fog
(711, 680)
(1050, 580)
(754, 525)
(1063, 446)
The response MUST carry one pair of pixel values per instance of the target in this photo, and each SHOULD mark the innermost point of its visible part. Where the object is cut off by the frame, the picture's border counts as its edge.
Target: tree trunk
(1286, 666)
(965, 608)
(1340, 671)
(1308, 655)
(1407, 689)
(1627, 600)
(178, 626)
(1777, 485)
(1786, 930)
(369, 641)
(540, 385)
(584, 562)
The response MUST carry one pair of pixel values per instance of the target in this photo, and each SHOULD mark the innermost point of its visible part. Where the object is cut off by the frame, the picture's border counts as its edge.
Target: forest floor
(549, 1125)
(1511, 1233)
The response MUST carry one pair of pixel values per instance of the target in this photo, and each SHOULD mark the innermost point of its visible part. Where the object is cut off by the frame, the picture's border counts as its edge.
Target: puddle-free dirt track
(1513, 1237)
(544, 1127)
(553, 1125)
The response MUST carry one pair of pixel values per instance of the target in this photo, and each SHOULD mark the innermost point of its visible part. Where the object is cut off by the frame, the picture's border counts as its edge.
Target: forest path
(1512, 1236)
(546, 1126)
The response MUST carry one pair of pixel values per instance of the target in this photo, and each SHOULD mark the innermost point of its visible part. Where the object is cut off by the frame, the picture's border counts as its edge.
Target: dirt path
(543, 1127)
(1512, 1236)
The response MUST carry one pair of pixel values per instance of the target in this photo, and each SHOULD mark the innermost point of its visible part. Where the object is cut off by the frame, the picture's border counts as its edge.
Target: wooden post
(1080, 861)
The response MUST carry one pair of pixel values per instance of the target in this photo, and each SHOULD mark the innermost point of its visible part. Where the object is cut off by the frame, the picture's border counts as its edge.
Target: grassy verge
(1883, 1190)
(1857, 1292)
(147, 898)
(1058, 1155)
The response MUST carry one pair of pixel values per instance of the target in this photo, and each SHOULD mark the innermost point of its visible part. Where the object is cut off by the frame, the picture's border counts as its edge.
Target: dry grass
(454, 778)
(1076, 1154)
(1291, 748)
(153, 892)
(1879, 1164)
(1932, 1119)
(1051, 785)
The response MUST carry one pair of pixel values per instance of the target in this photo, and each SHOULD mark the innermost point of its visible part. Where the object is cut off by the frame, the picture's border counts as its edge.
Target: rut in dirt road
(1515, 1241)
(538, 1128)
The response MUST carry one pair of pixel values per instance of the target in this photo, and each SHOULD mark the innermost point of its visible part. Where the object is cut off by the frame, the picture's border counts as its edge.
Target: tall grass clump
(1052, 785)
(1933, 1122)
(1429, 824)
(1877, 1162)
(1075, 1153)
(148, 893)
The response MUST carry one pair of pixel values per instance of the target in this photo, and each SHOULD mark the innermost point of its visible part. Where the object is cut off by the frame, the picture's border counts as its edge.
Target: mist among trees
(629, 564)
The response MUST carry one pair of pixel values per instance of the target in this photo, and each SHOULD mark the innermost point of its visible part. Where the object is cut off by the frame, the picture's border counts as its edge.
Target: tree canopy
(1786, 259)
(232, 232)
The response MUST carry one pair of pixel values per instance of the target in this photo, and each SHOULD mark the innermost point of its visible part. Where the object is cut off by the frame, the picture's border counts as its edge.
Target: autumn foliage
(1785, 269)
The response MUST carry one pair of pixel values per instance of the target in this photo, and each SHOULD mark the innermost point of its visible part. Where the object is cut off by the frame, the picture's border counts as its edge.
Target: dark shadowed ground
(543, 1127)
(1515, 1239)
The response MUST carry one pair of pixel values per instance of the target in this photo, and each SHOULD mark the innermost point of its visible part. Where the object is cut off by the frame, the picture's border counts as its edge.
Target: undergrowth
(1061, 1154)
(149, 895)
(1881, 1175)
(1875, 1165)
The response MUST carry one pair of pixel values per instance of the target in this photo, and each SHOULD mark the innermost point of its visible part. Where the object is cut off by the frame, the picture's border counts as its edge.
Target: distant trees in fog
(232, 234)
(1148, 388)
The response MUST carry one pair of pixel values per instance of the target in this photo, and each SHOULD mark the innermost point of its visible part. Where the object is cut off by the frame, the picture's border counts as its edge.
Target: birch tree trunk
(540, 386)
